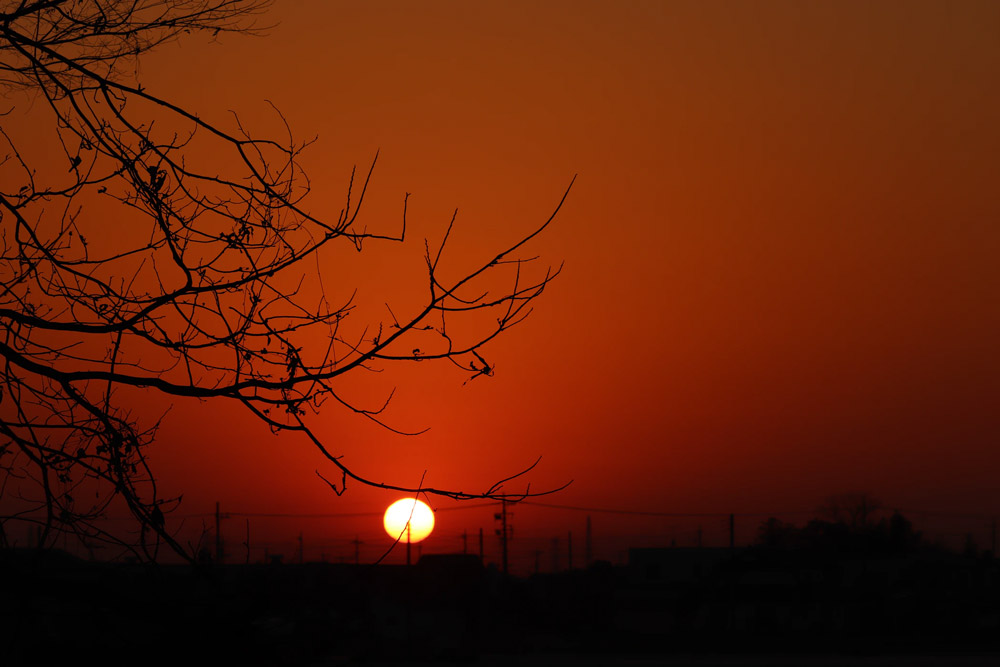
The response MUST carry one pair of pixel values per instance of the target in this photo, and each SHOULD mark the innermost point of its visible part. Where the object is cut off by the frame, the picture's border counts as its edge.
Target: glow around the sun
(417, 512)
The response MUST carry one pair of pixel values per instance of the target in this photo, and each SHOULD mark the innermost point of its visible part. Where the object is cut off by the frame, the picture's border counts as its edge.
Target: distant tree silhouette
(132, 261)
(776, 533)
(853, 509)
(892, 535)
(900, 533)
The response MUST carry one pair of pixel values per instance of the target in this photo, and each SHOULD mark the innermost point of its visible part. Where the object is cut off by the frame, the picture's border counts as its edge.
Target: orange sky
(780, 253)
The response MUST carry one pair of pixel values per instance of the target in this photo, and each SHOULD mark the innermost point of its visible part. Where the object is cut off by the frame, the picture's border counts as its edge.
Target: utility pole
(465, 542)
(732, 533)
(248, 542)
(588, 554)
(503, 504)
(503, 533)
(357, 550)
(407, 544)
(218, 534)
(219, 550)
(481, 546)
(302, 555)
(699, 536)
(555, 554)
(569, 551)
(993, 537)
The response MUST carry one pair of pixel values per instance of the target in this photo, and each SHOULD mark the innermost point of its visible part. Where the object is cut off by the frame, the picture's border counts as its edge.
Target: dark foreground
(672, 606)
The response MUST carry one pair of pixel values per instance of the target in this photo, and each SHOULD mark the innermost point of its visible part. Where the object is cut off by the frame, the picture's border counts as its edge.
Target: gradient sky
(781, 277)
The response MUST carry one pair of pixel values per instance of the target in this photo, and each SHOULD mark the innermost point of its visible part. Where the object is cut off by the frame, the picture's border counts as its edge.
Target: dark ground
(705, 607)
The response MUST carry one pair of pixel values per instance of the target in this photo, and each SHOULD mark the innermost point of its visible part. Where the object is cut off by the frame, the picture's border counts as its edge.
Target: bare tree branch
(206, 288)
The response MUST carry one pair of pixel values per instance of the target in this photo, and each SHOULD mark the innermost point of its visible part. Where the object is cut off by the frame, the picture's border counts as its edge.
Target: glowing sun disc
(420, 517)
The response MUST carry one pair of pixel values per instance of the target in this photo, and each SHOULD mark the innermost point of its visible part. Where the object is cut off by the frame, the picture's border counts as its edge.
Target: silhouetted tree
(893, 535)
(853, 509)
(776, 533)
(900, 533)
(131, 260)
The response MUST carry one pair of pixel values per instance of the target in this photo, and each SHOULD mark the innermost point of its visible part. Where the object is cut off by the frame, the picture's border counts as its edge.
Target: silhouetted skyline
(780, 274)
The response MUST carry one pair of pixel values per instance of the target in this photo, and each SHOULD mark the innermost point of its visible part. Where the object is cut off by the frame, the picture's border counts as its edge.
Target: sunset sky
(781, 276)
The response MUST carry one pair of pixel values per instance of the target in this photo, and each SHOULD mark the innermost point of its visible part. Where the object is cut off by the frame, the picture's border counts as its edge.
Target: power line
(572, 508)
(606, 510)
(328, 515)
(291, 515)
(466, 507)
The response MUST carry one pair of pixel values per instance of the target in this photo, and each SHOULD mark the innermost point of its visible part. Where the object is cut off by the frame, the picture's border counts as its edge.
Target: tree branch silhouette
(130, 263)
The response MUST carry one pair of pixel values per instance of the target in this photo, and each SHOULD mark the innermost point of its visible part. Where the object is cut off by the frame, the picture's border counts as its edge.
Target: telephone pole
(219, 547)
(588, 554)
(248, 542)
(504, 533)
(218, 534)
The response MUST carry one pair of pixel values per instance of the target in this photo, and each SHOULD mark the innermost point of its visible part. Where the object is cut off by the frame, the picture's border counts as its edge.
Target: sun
(416, 512)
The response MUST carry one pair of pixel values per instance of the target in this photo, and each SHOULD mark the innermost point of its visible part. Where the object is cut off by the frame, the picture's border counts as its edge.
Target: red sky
(781, 276)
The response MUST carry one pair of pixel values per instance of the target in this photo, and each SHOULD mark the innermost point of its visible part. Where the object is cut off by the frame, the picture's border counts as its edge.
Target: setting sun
(416, 512)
